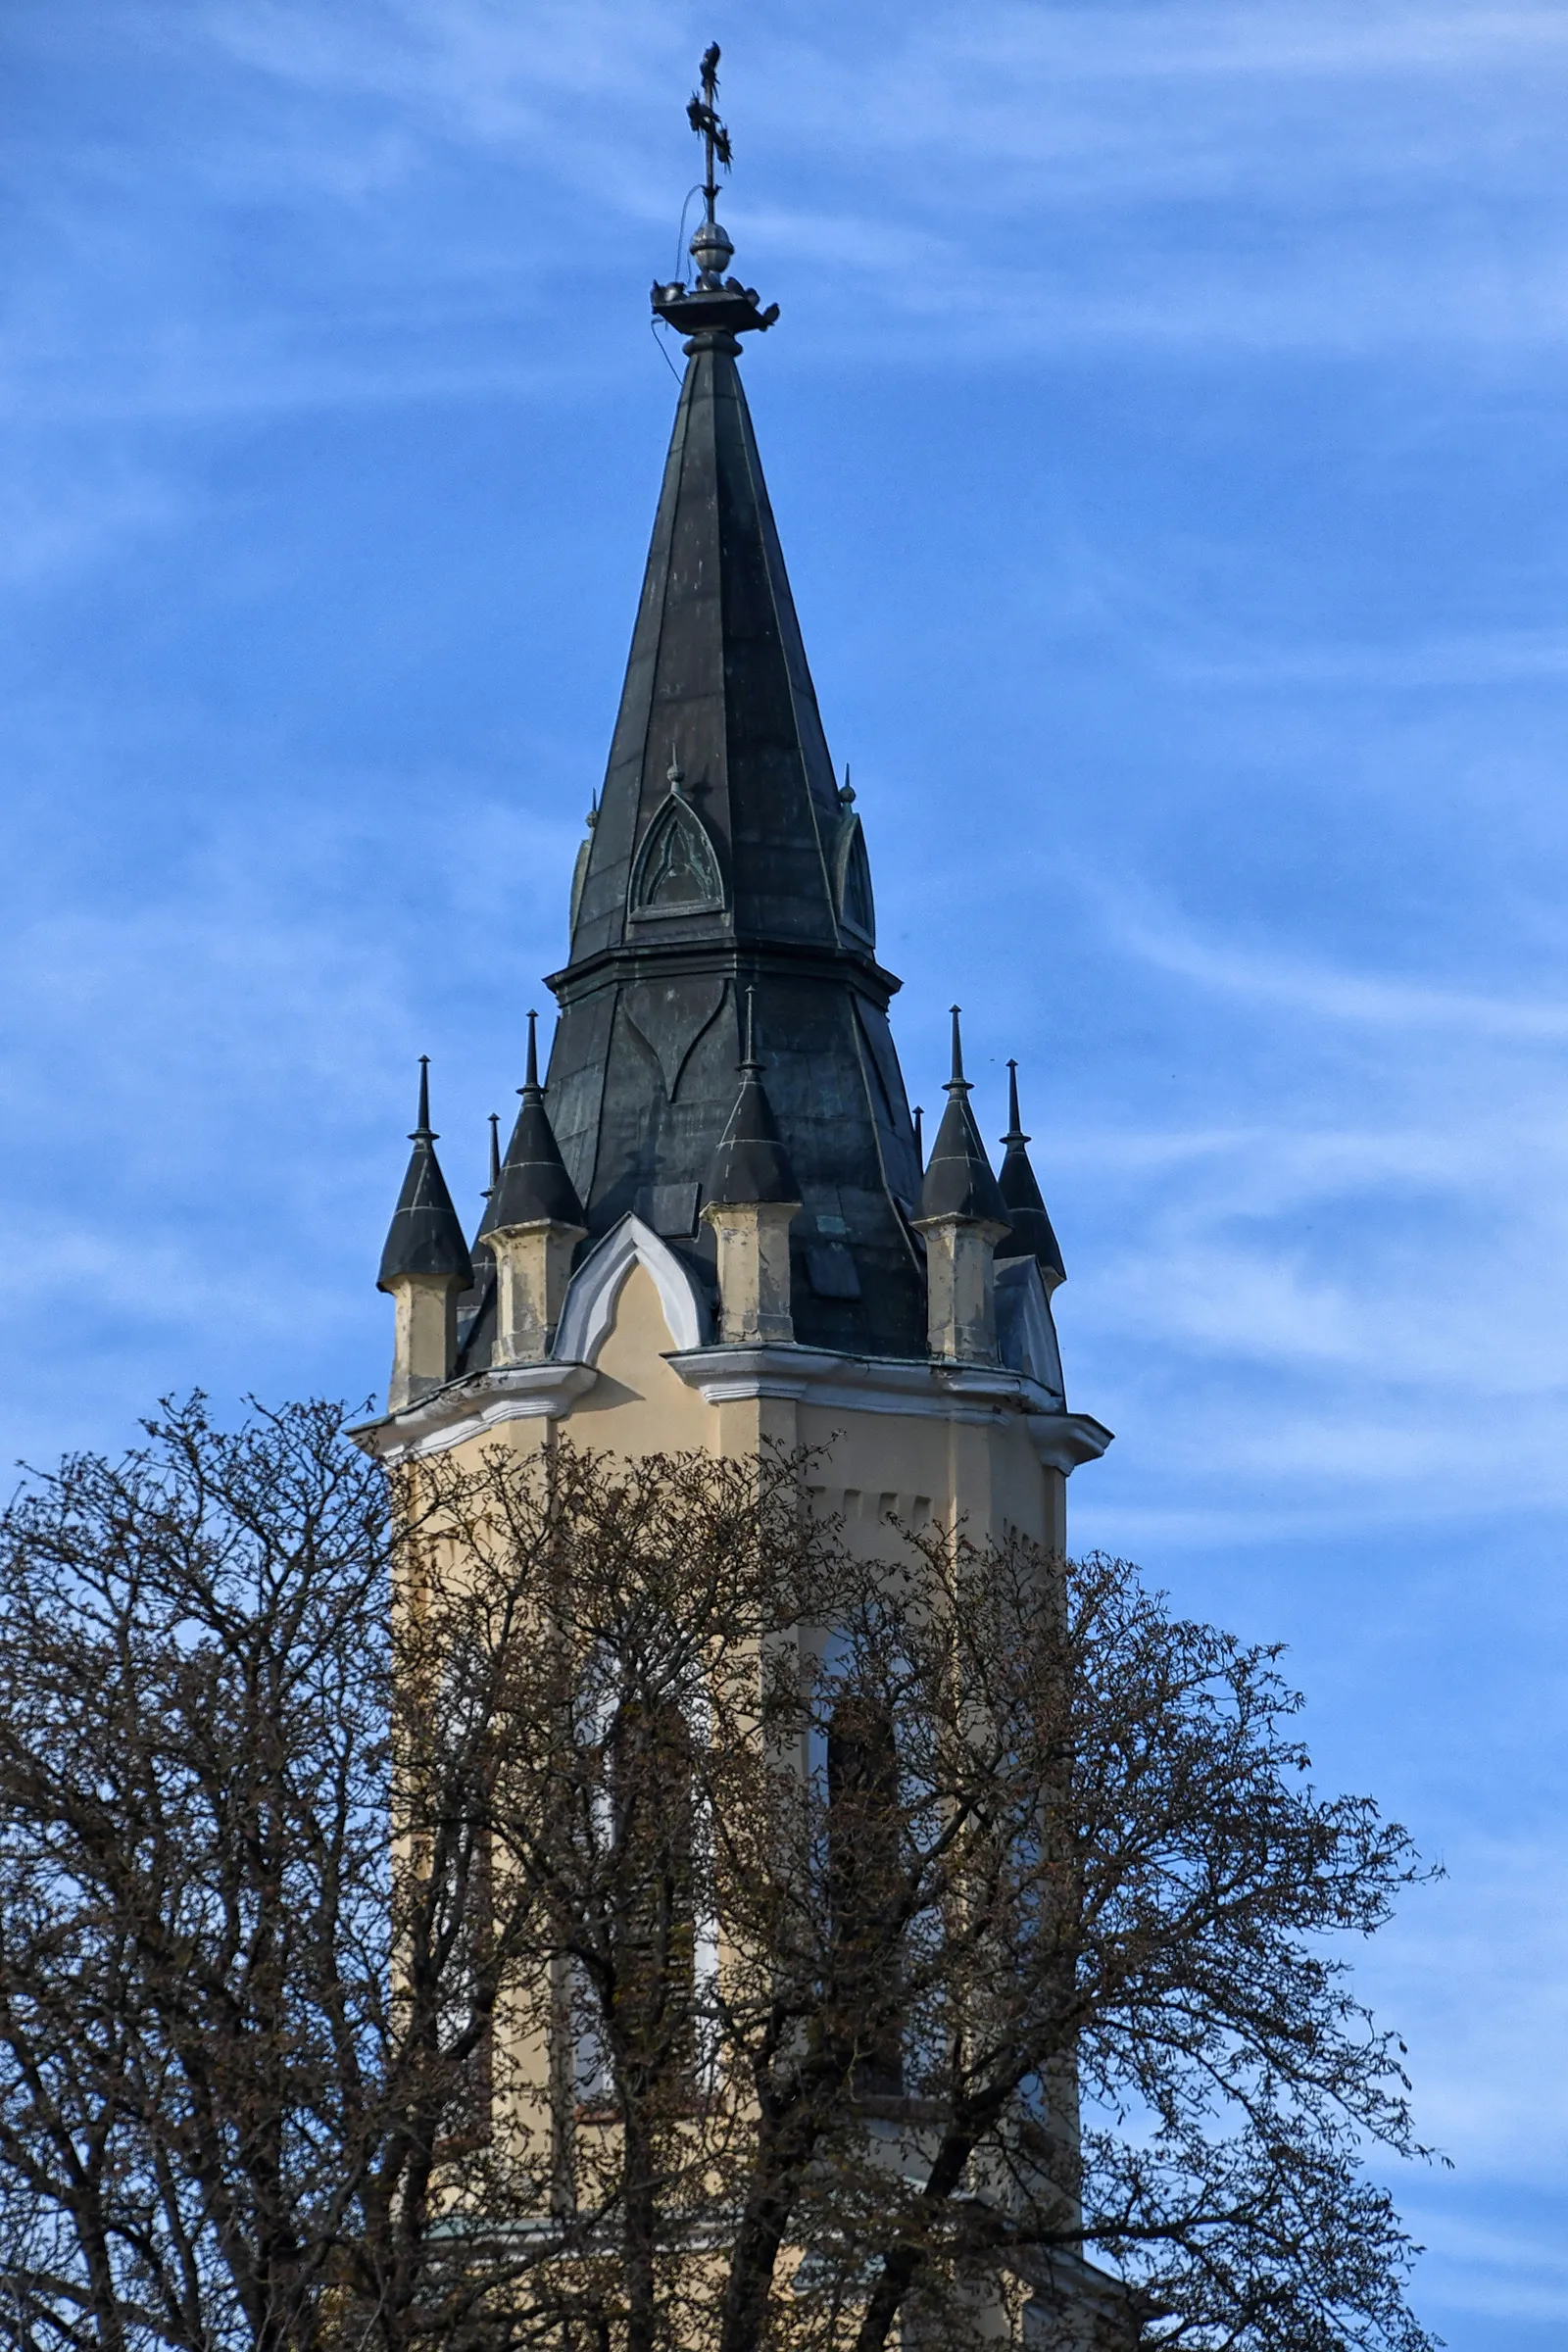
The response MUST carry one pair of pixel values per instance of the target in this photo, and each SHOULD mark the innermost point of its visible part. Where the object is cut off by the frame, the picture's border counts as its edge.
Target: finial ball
(711, 250)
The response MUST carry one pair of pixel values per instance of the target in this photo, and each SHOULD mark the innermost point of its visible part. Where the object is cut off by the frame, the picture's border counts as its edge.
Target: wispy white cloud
(1190, 176)
(69, 514)
(1505, 658)
(1160, 937)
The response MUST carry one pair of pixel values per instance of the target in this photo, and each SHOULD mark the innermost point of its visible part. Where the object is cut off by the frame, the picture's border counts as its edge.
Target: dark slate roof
(958, 1178)
(1031, 1235)
(424, 1236)
(749, 1162)
(716, 688)
(734, 872)
(534, 1187)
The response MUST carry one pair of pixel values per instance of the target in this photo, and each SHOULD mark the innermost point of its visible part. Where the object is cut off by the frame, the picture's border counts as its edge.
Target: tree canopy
(589, 1906)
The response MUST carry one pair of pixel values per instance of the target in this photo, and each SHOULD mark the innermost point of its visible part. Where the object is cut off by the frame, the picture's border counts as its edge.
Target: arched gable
(588, 1311)
(676, 869)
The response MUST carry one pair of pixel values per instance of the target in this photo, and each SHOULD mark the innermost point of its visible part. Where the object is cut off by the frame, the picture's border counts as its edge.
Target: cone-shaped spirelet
(493, 1188)
(919, 1137)
(749, 1163)
(424, 1236)
(959, 1180)
(533, 1188)
(1031, 1235)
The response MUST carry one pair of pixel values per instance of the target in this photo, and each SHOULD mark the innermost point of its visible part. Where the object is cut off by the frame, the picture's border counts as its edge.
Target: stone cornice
(1064, 1440)
(468, 1407)
(975, 1393)
(631, 960)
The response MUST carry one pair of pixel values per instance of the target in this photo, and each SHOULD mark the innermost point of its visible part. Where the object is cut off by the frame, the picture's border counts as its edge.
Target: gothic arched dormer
(852, 880)
(676, 869)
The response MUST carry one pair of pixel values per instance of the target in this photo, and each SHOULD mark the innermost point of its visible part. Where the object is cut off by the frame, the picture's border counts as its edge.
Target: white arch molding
(595, 1290)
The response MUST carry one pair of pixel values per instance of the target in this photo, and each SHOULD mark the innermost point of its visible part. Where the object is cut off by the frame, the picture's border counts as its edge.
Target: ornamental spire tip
(717, 308)
(422, 1132)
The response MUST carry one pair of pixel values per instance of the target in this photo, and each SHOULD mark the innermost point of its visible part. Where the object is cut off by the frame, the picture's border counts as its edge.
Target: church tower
(711, 1227)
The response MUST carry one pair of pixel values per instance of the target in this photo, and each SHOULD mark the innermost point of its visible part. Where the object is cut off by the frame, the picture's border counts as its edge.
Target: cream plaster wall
(639, 1404)
(964, 1462)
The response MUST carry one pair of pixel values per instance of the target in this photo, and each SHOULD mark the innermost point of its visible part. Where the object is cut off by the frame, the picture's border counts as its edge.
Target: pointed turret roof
(424, 1236)
(958, 1178)
(749, 1162)
(1031, 1235)
(534, 1188)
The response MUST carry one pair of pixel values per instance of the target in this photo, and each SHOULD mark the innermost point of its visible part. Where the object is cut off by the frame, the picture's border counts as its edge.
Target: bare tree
(598, 1910)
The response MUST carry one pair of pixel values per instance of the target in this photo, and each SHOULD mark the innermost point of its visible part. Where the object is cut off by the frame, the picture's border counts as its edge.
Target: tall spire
(1031, 1235)
(534, 1187)
(424, 1236)
(959, 1179)
(720, 816)
(724, 857)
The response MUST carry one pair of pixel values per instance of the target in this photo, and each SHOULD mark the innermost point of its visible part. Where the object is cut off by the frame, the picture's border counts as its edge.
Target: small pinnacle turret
(749, 1162)
(753, 1199)
(536, 1222)
(962, 1218)
(1031, 1235)
(959, 1180)
(533, 1187)
(424, 1236)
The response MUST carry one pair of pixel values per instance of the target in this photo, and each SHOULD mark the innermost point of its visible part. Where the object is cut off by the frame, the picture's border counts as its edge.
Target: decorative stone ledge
(468, 1407)
(973, 1393)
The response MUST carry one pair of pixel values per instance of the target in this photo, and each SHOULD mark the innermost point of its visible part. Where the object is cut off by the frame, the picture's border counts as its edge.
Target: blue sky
(1168, 428)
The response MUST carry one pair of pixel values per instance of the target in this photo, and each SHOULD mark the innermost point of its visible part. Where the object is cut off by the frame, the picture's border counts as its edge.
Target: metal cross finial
(703, 116)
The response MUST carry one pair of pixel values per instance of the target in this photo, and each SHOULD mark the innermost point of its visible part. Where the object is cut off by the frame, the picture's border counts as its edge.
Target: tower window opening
(864, 1878)
(645, 1832)
(463, 2016)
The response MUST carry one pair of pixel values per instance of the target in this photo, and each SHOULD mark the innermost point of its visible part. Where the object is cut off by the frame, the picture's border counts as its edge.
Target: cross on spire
(703, 116)
(715, 305)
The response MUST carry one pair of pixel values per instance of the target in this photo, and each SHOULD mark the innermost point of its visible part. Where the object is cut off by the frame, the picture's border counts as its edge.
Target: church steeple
(719, 818)
(724, 857)
(679, 1259)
